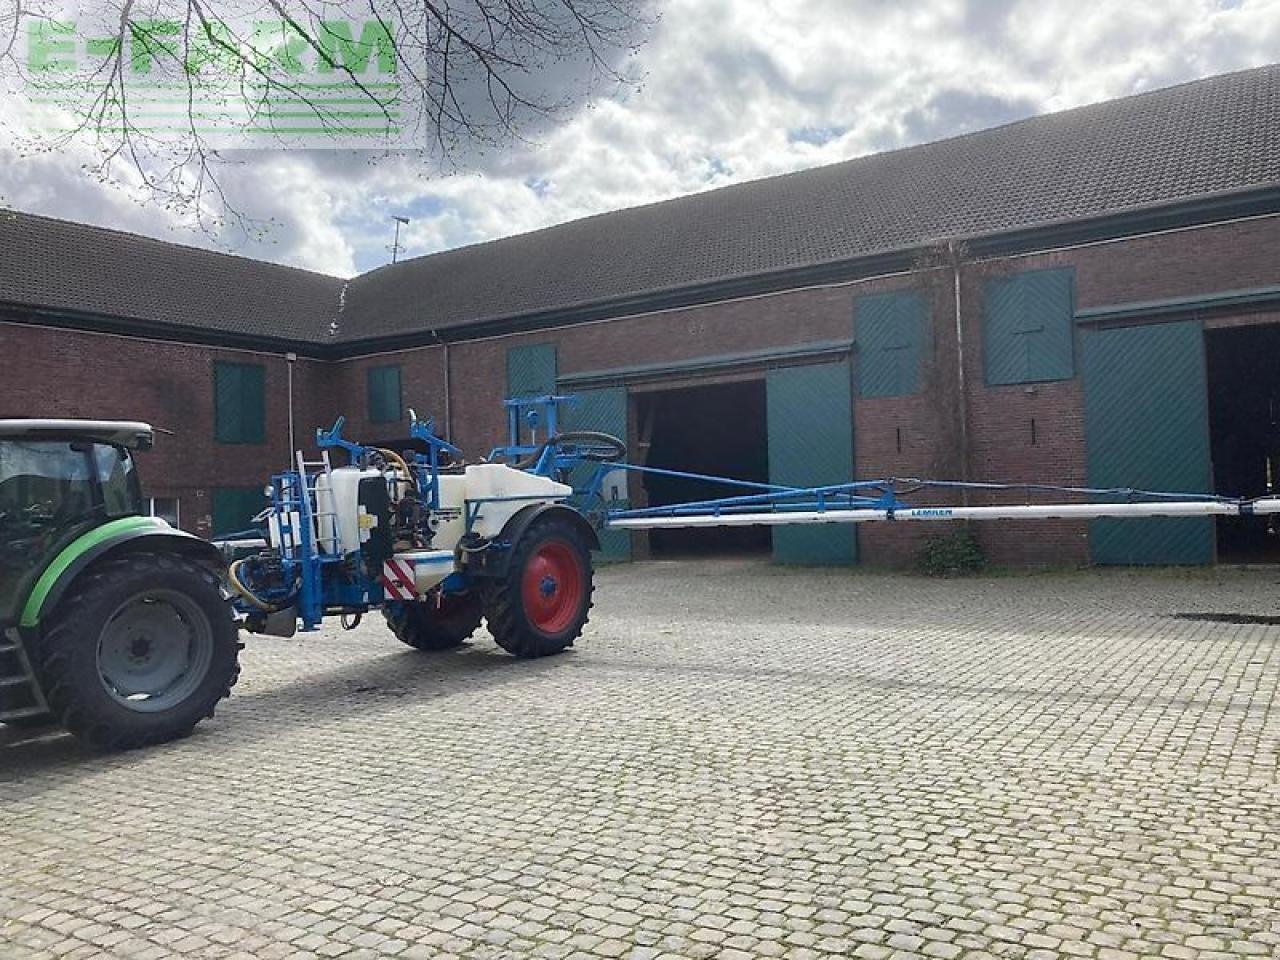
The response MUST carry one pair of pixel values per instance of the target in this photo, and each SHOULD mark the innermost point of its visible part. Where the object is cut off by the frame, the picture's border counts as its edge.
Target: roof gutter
(26, 314)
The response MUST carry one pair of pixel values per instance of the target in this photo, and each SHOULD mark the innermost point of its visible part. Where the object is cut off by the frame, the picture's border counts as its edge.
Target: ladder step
(21, 712)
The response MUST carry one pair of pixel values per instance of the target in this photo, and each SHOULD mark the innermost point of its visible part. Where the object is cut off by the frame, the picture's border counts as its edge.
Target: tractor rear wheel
(140, 651)
(426, 626)
(540, 605)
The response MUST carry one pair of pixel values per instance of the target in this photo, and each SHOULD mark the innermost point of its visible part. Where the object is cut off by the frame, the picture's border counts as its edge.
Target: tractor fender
(521, 521)
(116, 537)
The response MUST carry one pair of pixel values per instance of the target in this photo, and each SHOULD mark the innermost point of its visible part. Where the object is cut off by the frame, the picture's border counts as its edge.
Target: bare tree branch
(470, 75)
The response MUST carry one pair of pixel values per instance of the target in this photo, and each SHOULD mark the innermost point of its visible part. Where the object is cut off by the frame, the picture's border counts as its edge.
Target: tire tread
(418, 629)
(504, 610)
(52, 662)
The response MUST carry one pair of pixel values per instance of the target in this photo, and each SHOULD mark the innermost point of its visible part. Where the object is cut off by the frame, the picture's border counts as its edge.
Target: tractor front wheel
(140, 651)
(540, 605)
(431, 626)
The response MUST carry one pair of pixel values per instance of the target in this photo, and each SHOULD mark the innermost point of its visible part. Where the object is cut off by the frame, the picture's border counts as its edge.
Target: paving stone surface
(737, 761)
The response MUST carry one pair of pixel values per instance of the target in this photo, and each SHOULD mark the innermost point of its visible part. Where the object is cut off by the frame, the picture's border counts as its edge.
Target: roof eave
(1135, 221)
(22, 313)
(1201, 210)
(649, 301)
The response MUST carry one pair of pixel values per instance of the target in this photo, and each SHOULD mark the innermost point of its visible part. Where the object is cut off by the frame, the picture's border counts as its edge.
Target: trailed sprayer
(436, 544)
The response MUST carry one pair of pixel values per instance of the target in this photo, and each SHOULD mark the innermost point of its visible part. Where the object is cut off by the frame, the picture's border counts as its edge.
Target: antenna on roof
(395, 245)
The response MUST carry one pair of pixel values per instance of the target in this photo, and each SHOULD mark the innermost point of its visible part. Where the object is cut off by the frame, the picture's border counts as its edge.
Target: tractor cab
(58, 479)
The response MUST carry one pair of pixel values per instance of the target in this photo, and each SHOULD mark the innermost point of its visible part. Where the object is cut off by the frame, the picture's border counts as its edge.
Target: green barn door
(1147, 427)
(810, 419)
(531, 370)
(604, 411)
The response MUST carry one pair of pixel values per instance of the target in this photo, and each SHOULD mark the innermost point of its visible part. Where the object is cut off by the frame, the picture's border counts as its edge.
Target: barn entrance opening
(1243, 366)
(718, 429)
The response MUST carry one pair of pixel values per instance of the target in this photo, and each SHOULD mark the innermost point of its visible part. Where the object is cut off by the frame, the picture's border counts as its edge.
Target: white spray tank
(497, 482)
(341, 529)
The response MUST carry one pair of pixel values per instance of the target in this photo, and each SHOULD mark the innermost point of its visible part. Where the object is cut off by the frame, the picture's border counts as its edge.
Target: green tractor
(113, 624)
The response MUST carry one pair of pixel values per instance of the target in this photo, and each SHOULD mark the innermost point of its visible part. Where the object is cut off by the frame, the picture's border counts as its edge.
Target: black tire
(518, 627)
(118, 620)
(424, 626)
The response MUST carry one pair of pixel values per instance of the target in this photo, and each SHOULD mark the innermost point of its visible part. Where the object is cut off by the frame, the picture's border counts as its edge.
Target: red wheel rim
(551, 587)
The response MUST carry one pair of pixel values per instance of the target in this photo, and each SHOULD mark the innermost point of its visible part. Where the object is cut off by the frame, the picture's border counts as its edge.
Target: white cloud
(734, 89)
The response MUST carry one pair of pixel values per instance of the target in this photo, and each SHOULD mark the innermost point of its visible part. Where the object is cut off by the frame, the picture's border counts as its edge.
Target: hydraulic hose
(399, 461)
(615, 451)
(239, 587)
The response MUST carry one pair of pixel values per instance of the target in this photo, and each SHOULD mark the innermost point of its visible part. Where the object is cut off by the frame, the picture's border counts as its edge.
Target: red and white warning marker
(398, 579)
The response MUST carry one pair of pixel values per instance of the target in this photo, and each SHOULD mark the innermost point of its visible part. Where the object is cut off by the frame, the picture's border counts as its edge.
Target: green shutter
(239, 402)
(384, 398)
(1147, 427)
(228, 402)
(1027, 327)
(531, 371)
(810, 418)
(235, 507)
(605, 411)
(893, 334)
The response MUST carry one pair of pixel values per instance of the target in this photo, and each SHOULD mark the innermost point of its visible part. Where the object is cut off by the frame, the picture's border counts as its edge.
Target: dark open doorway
(718, 430)
(1244, 429)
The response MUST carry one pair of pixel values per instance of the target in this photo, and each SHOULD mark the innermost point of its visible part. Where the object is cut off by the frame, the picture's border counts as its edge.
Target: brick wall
(56, 372)
(1182, 264)
(915, 436)
(422, 381)
(738, 327)
(59, 373)
(1021, 433)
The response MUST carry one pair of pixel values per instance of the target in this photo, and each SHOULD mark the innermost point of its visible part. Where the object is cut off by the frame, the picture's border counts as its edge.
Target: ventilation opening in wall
(1243, 366)
(719, 430)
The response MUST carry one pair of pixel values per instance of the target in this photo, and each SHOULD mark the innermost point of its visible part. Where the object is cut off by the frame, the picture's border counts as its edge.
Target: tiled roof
(1212, 136)
(59, 265)
(1205, 137)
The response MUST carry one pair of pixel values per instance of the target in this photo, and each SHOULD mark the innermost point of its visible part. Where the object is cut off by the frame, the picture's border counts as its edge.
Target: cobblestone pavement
(737, 761)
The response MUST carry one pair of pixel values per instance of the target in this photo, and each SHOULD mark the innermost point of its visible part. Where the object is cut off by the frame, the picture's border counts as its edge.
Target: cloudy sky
(732, 90)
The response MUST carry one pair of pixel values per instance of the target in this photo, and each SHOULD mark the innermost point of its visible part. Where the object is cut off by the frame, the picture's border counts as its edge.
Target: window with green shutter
(1027, 334)
(235, 507)
(385, 405)
(239, 401)
(531, 370)
(893, 334)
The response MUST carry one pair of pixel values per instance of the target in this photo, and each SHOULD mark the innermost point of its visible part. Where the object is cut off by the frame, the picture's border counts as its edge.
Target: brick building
(1086, 297)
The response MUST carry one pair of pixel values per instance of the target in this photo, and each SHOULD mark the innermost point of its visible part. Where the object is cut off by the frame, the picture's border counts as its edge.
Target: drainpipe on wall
(290, 360)
(961, 381)
(448, 390)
